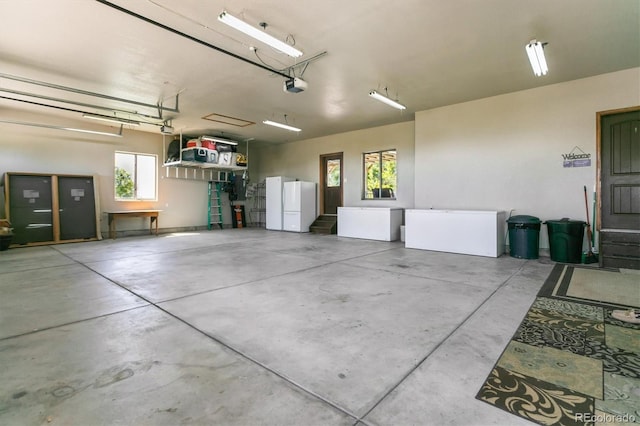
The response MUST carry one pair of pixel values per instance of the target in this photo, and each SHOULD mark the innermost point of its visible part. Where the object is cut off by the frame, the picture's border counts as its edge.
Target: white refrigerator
(299, 206)
(274, 201)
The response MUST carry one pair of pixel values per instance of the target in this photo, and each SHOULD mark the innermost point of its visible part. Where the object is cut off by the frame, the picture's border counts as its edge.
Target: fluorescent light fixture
(282, 126)
(535, 51)
(258, 34)
(386, 100)
(92, 132)
(70, 129)
(111, 120)
(220, 140)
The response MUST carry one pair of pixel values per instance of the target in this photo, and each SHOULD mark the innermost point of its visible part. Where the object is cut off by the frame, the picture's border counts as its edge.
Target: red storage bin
(208, 144)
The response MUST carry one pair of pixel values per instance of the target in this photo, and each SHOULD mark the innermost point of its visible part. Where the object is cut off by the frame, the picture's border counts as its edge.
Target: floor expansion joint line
(256, 281)
(435, 348)
(228, 346)
(270, 277)
(73, 322)
(168, 251)
(344, 259)
(361, 422)
(36, 268)
(402, 272)
(266, 367)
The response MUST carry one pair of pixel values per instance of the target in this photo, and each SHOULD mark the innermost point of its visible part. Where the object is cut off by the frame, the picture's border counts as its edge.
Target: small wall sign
(576, 158)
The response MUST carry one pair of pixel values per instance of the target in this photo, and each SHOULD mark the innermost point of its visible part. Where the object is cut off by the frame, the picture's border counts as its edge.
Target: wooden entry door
(331, 183)
(620, 189)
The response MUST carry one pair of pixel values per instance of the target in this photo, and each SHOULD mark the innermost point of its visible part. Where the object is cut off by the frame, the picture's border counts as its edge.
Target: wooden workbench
(151, 214)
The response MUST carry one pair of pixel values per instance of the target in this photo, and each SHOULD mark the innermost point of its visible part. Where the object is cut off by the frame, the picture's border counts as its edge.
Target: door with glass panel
(331, 183)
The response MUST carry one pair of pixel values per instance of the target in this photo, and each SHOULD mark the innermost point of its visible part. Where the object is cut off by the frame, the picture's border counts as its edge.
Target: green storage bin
(524, 236)
(565, 240)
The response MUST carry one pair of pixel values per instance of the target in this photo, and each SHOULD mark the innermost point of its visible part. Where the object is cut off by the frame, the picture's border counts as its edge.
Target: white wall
(38, 150)
(301, 160)
(505, 152)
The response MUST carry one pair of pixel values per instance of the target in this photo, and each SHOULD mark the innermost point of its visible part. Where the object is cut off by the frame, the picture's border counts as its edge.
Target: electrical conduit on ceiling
(187, 36)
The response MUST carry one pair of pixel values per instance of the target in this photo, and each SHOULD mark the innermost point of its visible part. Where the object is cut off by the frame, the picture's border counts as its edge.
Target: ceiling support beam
(83, 104)
(69, 109)
(87, 93)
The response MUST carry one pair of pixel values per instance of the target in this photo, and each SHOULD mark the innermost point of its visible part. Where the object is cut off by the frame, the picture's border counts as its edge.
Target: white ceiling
(428, 53)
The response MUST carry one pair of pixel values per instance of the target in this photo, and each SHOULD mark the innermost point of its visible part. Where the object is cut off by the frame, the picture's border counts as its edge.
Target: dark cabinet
(46, 209)
(31, 208)
(77, 207)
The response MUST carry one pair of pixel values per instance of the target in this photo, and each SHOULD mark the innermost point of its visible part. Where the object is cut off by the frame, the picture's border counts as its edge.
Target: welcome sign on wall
(576, 159)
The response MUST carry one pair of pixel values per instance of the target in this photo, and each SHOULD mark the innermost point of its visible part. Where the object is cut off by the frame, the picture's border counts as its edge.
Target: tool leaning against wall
(589, 256)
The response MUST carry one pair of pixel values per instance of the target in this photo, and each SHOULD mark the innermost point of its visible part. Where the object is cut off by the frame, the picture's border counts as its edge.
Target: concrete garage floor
(249, 327)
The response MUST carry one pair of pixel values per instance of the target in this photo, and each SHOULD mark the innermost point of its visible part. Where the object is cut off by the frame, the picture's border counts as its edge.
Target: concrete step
(320, 230)
(619, 249)
(324, 225)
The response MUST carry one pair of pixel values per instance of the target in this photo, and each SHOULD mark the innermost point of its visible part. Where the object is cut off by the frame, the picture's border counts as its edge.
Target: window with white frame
(135, 176)
(380, 175)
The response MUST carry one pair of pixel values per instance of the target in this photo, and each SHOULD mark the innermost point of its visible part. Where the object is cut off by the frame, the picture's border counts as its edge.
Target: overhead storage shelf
(203, 165)
(209, 165)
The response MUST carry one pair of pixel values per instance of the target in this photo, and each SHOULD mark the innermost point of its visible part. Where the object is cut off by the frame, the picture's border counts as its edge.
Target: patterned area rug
(588, 285)
(570, 362)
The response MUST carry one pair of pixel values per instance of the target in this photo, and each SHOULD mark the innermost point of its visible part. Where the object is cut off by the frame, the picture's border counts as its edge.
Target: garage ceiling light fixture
(220, 140)
(282, 126)
(535, 51)
(111, 120)
(386, 100)
(260, 35)
(70, 129)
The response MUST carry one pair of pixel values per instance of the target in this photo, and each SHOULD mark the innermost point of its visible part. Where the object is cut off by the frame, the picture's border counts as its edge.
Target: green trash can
(565, 240)
(524, 236)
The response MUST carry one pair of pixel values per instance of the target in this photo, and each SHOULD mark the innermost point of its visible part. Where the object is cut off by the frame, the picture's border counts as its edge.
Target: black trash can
(524, 236)
(565, 240)
(5, 241)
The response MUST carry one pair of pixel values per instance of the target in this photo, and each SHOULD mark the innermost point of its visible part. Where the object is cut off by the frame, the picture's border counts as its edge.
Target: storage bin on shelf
(194, 154)
(206, 152)
(202, 155)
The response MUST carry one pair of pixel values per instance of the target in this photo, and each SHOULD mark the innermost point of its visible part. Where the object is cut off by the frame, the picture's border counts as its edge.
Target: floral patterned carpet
(570, 362)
